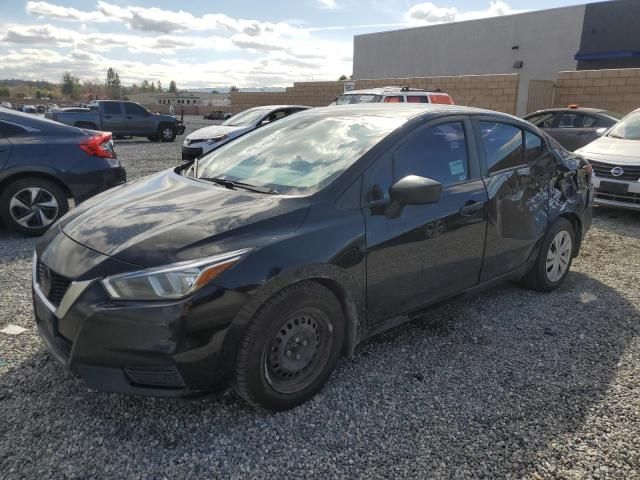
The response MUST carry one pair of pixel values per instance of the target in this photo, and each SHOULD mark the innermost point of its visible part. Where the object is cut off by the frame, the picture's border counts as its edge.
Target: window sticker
(456, 167)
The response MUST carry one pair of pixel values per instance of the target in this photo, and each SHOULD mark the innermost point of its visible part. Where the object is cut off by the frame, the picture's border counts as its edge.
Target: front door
(517, 168)
(421, 253)
(139, 120)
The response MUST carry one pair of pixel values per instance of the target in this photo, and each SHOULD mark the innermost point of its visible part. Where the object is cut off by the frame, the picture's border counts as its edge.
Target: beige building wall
(495, 92)
(615, 90)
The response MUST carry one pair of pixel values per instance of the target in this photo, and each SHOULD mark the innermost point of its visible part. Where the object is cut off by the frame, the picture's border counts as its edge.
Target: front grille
(167, 377)
(603, 170)
(629, 197)
(54, 287)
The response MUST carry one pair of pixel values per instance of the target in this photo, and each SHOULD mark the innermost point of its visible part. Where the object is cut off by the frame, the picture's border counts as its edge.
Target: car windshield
(357, 98)
(245, 118)
(298, 155)
(628, 128)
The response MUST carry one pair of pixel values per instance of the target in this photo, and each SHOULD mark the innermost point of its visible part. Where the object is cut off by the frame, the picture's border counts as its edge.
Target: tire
(31, 205)
(290, 347)
(554, 258)
(167, 132)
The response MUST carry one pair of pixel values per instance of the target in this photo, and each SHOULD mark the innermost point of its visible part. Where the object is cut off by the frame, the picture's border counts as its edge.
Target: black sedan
(265, 261)
(44, 164)
(573, 127)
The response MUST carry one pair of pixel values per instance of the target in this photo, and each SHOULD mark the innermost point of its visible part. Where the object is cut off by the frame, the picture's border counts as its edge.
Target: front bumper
(624, 194)
(160, 348)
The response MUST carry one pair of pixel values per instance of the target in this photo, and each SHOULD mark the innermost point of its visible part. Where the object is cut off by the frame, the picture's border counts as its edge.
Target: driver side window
(438, 152)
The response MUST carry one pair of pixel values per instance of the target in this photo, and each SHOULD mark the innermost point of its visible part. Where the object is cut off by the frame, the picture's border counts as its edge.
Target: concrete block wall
(616, 90)
(495, 92)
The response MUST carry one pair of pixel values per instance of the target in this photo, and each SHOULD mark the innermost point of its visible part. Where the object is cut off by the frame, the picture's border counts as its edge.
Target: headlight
(170, 281)
(217, 139)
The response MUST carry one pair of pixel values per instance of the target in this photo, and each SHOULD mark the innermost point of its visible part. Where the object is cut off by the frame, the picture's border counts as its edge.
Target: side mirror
(601, 131)
(415, 190)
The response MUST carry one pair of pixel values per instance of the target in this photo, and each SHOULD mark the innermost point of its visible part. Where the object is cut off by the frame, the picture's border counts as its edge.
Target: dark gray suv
(44, 165)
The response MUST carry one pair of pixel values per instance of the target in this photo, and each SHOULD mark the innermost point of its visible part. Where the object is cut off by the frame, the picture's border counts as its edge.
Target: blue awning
(607, 55)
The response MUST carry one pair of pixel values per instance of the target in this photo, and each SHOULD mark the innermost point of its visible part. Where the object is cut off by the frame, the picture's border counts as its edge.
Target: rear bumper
(87, 184)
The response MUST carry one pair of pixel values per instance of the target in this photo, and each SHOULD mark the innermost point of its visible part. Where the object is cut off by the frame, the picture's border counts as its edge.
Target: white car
(393, 95)
(6, 105)
(615, 159)
(208, 138)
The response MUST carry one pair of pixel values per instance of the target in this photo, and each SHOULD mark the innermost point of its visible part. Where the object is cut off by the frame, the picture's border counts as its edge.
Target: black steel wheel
(290, 347)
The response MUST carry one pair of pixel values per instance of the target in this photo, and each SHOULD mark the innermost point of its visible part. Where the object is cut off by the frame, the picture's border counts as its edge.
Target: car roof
(277, 107)
(567, 109)
(391, 90)
(35, 122)
(404, 110)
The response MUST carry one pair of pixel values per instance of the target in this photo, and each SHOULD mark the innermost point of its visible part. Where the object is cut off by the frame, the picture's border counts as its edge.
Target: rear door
(421, 253)
(517, 168)
(139, 120)
(113, 118)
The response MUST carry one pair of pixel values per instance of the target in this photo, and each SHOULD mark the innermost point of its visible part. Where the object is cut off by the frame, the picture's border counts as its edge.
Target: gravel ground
(505, 384)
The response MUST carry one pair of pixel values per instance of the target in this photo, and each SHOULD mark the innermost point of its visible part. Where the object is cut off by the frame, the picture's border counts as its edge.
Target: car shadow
(493, 378)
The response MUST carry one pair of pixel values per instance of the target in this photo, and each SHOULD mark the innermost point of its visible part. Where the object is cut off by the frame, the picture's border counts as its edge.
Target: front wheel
(31, 205)
(554, 258)
(290, 347)
(167, 133)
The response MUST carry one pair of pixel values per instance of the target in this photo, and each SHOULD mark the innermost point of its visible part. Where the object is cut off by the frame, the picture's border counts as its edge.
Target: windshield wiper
(613, 135)
(232, 184)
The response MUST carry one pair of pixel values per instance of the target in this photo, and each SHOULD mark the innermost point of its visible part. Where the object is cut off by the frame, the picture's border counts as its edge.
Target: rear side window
(502, 145)
(134, 109)
(544, 120)
(394, 99)
(438, 152)
(8, 130)
(417, 99)
(590, 122)
(111, 108)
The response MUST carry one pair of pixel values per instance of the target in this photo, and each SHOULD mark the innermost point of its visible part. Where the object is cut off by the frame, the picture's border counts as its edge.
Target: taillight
(99, 145)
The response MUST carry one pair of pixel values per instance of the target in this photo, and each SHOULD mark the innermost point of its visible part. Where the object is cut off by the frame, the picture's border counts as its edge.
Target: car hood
(608, 148)
(216, 131)
(168, 218)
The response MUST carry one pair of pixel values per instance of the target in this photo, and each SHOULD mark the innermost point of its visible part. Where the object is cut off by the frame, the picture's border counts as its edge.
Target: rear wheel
(31, 205)
(290, 347)
(167, 132)
(554, 258)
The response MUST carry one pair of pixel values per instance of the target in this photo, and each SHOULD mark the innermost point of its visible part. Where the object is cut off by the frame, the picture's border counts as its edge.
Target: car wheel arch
(9, 179)
(574, 218)
(354, 319)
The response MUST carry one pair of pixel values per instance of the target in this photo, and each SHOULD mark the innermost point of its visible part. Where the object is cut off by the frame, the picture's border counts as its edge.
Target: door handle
(582, 133)
(129, 118)
(471, 207)
(107, 116)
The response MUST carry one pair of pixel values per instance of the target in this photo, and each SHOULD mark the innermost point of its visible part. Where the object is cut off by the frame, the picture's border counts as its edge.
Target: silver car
(615, 158)
(209, 138)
